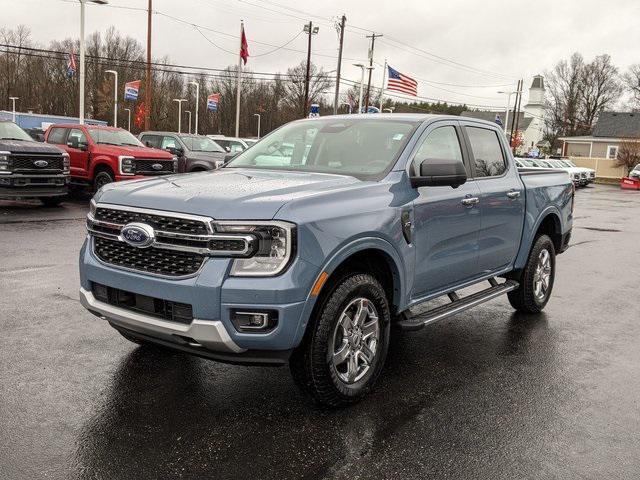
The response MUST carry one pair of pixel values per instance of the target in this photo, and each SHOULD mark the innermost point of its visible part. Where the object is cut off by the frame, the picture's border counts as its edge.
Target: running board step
(457, 305)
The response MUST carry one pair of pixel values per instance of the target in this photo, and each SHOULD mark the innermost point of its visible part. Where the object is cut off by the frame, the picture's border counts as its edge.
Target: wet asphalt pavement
(486, 394)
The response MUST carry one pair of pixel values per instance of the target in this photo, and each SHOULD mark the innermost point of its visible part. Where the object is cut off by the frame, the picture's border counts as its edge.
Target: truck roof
(409, 117)
(76, 125)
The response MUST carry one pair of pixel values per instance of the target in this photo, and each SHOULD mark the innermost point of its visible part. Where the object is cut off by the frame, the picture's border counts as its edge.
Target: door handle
(470, 201)
(513, 194)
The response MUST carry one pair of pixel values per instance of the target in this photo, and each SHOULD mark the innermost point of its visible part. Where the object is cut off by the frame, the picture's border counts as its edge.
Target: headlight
(273, 249)
(92, 207)
(175, 164)
(66, 164)
(127, 165)
(5, 163)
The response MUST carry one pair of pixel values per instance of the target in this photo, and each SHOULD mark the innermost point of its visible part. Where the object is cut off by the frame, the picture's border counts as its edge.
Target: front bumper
(32, 186)
(213, 295)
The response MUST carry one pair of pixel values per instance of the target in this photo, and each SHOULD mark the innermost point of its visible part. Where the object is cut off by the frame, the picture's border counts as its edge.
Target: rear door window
(57, 136)
(487, 152)
(169, 142)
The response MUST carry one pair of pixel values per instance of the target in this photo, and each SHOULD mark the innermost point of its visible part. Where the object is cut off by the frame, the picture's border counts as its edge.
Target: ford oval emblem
(157, 166)
(41, 163)
(138, 235)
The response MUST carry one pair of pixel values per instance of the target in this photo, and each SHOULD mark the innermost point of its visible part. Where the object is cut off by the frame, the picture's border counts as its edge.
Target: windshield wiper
(109, 143)
(12, 138)
(130, 144)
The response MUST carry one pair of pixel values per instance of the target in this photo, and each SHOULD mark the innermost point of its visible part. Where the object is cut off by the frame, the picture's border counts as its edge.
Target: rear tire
(342, 355)
(536, 280)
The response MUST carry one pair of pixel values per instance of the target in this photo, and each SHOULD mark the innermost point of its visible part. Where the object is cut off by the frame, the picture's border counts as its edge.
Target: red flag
(244, 48)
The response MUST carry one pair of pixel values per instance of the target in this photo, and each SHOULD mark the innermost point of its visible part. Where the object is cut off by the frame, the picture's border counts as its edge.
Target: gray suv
(196, 153)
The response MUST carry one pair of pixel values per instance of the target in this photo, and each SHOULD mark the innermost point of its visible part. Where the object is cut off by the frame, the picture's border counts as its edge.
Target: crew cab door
(446, 219)
(501, 198)
(78, 149)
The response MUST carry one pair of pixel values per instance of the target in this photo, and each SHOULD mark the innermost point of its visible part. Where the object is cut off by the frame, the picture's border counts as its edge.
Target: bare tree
(632, 82)
(600, 88)
(563, 102)
(319, 83)
(628, 155)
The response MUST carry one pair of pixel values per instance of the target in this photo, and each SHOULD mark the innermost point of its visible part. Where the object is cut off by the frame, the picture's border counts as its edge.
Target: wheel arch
(548, 223)
(371, 255)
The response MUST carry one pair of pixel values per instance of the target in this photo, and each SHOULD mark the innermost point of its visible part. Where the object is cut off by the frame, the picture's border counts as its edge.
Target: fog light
(261, 321)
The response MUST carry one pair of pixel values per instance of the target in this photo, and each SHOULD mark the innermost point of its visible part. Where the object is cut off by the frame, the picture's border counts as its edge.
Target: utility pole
(310, 30)
(373, 37)
(148, 95)
(516, 114)
(517, 117)
(335, 98)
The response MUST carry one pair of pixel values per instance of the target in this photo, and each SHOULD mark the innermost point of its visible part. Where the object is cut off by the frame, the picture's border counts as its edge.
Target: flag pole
(384, 79)
(239, 80)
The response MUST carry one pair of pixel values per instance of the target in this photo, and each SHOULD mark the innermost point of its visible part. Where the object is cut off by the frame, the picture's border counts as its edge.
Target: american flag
(401, 83)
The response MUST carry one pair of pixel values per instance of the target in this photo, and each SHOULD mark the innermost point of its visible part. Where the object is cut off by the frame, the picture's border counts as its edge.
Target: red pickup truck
(100, 155)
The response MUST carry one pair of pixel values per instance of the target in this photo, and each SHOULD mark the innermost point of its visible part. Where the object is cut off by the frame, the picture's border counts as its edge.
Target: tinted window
(487, 152)
(56, 136)
(169, 142)
(151, 140)
(442, 144)
(79, 134)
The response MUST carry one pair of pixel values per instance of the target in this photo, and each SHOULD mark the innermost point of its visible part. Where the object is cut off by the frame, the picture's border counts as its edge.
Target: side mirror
(83, 146)
(439, 172)
(177, 151)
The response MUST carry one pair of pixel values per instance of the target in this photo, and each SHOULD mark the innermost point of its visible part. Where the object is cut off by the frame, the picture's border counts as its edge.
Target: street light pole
(13, 101)
(179, 100)
(128, 110)
(115, 96)
(310, 30)
(189, 112)
(82, 55)
(363, 67)
(258, 115)
(197, 85)
(506, 117)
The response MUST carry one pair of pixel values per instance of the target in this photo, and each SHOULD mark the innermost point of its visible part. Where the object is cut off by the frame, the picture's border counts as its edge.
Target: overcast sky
(492, 42)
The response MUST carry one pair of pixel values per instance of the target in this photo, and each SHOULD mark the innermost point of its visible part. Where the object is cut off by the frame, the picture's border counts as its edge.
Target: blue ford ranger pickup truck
(315, 245)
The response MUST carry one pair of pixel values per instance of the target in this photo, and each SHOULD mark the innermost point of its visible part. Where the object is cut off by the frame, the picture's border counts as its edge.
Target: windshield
(11, 131)
(114, 137)
(352, 146)
(544, 163)
(250, 142)
(556, 163)
(201, 144)
(570, 163)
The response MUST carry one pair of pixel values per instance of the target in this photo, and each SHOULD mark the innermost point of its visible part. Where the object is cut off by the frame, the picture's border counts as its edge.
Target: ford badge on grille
(41, 163)
(138, 235)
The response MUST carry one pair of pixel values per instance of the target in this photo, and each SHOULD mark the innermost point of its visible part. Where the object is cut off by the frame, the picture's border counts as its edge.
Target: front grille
(156, 307)
(145, 166)
(583, 174)
(158, 261)
(26, 163)
(158, 222)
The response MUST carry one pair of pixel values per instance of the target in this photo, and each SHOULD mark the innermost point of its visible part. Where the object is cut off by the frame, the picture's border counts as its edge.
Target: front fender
(342, 253)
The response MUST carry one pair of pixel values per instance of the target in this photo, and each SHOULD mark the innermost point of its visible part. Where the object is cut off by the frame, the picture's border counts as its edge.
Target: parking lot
(486, 394)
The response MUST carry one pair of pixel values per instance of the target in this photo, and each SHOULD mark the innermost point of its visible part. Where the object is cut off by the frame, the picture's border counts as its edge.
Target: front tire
(536, 280)
(101, 179)
(342, 356)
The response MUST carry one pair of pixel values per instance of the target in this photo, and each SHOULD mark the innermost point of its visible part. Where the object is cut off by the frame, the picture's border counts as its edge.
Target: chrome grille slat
(165, 223)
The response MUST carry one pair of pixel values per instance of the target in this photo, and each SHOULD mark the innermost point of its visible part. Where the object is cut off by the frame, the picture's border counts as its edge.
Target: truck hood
(226, 194)
(136, 152)
(18, 146)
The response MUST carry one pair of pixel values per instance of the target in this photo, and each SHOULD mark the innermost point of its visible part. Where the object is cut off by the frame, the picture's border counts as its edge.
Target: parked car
(590, 172)
(309, 262)
(579, 176)
(635, 173)
(101, 155)
(30, 169)
(35, 133)
(196, 153)
(230, 144)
